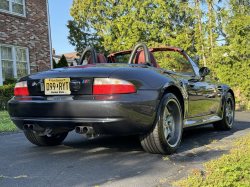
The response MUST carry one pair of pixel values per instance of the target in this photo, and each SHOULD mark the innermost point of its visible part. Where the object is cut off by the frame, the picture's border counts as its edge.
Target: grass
(5, 122)
(229, 170)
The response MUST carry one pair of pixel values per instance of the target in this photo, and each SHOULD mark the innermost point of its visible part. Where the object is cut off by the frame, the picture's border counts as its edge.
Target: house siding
(31, 31)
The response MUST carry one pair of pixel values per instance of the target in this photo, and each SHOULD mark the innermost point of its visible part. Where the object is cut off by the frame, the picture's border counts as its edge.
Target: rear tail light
(21, 88)
(112, 86)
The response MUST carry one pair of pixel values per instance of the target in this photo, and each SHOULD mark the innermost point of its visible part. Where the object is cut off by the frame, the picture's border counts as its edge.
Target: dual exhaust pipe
(78, 129)
(33, 127)
(84, 130)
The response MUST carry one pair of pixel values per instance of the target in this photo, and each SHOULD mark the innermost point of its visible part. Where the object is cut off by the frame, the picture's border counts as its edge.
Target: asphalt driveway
(110, 161)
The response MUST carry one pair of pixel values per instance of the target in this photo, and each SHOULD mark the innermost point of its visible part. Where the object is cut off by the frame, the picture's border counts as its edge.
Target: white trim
(14, 13)
(14, 61)
(1, 77)
(28, 60)
(10, 6)
(49, 30)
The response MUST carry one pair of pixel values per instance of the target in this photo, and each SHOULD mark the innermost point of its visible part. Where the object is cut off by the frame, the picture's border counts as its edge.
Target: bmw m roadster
(125, 93)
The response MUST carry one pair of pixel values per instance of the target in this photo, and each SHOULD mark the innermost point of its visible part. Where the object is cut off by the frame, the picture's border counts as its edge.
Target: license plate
(60, 86)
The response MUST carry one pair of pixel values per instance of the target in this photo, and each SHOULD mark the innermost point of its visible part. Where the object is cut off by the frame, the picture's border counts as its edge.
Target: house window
(14, 62)
(16, 7)
(7, 62)
(21, 62)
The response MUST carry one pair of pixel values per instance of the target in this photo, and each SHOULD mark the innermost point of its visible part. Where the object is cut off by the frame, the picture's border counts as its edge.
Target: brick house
(25, 40)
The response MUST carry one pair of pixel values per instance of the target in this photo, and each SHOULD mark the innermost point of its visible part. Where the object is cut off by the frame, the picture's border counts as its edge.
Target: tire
(228, 115)
(165, 135)
(52, 140)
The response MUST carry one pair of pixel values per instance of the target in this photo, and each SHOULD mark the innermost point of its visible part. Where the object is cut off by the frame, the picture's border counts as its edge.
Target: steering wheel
(146, 54)
(93, 56)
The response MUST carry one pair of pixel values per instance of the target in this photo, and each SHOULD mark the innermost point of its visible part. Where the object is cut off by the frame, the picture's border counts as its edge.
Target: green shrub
(9, 80)
(6, 93)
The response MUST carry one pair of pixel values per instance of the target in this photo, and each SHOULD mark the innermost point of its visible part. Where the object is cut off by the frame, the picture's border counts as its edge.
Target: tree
(81, 37)
(232, 65)
(62, 62)
(71, 64)
(119, 25)
(54, 64)
(200, 33)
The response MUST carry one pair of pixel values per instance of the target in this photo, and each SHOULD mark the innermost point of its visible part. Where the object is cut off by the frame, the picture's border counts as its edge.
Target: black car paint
(123, 114)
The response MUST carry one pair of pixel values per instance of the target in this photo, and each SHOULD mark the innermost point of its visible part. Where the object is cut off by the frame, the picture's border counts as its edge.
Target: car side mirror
(204, 71)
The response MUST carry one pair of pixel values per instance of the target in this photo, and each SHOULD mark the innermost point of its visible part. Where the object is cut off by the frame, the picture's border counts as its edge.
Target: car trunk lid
(81, 78)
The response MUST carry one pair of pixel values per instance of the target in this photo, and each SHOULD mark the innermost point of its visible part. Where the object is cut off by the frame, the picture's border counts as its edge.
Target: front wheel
(228, 115)
(165, 135)
(48, 140)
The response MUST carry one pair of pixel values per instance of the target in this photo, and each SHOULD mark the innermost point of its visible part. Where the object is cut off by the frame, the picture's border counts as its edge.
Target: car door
(203, 98)
(202, 93)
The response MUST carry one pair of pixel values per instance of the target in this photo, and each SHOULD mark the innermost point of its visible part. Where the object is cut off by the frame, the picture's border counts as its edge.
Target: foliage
(54, 64)
(71, 64)
(62, 62)
(228, 170)
(5, 123)
(9, 80)
(216, 32)
(81, 37)
(6, 93)
(233, 66)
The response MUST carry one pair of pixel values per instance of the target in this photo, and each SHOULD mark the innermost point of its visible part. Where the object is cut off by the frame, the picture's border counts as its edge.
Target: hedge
(6, 93)
(9, 80)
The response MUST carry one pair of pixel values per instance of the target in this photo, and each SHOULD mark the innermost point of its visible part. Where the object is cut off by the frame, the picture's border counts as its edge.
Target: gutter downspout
(49, 31)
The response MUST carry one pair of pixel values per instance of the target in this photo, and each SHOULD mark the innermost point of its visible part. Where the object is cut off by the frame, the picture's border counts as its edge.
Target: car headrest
(140, 58)
(100, 58)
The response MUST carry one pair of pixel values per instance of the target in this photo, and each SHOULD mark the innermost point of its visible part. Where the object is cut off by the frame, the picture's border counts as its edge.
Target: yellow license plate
(60, 86)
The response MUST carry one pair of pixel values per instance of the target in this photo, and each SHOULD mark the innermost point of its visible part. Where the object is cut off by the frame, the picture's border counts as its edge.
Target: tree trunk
(211, 35)
(200, 29)
(210, 30)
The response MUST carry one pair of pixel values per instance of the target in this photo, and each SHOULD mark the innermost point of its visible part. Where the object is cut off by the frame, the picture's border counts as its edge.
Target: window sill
(12, 14)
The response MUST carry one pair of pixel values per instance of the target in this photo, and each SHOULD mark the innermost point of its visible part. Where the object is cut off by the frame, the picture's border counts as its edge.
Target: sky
(59, 16)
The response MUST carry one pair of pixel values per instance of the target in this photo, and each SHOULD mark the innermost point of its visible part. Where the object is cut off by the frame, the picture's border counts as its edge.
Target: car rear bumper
(119, 114)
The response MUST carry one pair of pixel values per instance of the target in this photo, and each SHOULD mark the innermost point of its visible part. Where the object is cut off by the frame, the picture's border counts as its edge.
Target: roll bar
(93, 55)
(146, 53)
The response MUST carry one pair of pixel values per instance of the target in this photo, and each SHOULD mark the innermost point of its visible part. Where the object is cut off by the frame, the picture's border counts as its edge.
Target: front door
(203, 99)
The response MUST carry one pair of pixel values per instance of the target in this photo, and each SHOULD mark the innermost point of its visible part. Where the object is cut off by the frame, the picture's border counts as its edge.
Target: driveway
(110, 161)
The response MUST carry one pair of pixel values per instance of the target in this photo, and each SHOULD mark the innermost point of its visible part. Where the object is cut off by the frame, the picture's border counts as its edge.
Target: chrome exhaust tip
(26, 127)
(81, 130)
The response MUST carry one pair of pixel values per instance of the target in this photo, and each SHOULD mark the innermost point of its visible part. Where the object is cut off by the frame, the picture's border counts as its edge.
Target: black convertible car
(127, 93)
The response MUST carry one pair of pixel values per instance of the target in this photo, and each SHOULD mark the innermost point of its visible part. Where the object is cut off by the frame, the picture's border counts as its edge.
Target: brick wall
(30, 31)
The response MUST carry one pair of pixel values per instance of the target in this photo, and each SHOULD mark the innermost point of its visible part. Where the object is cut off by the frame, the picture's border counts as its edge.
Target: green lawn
(5, 122)
(229, 170)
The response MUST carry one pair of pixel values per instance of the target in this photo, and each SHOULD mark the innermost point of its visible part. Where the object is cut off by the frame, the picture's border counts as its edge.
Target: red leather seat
(140, 58)
(100, 58)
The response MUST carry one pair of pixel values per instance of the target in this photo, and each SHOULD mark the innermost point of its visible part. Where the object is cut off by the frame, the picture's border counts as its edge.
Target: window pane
(4, 4)
(22, 69)
(6, 53)
(7, 69)
(21, 55)
(17, 8)
(18, 1)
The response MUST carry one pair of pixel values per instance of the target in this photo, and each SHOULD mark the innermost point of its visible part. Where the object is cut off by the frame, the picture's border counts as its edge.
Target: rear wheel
(48, 140)
(228, 115)
(165, 135)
